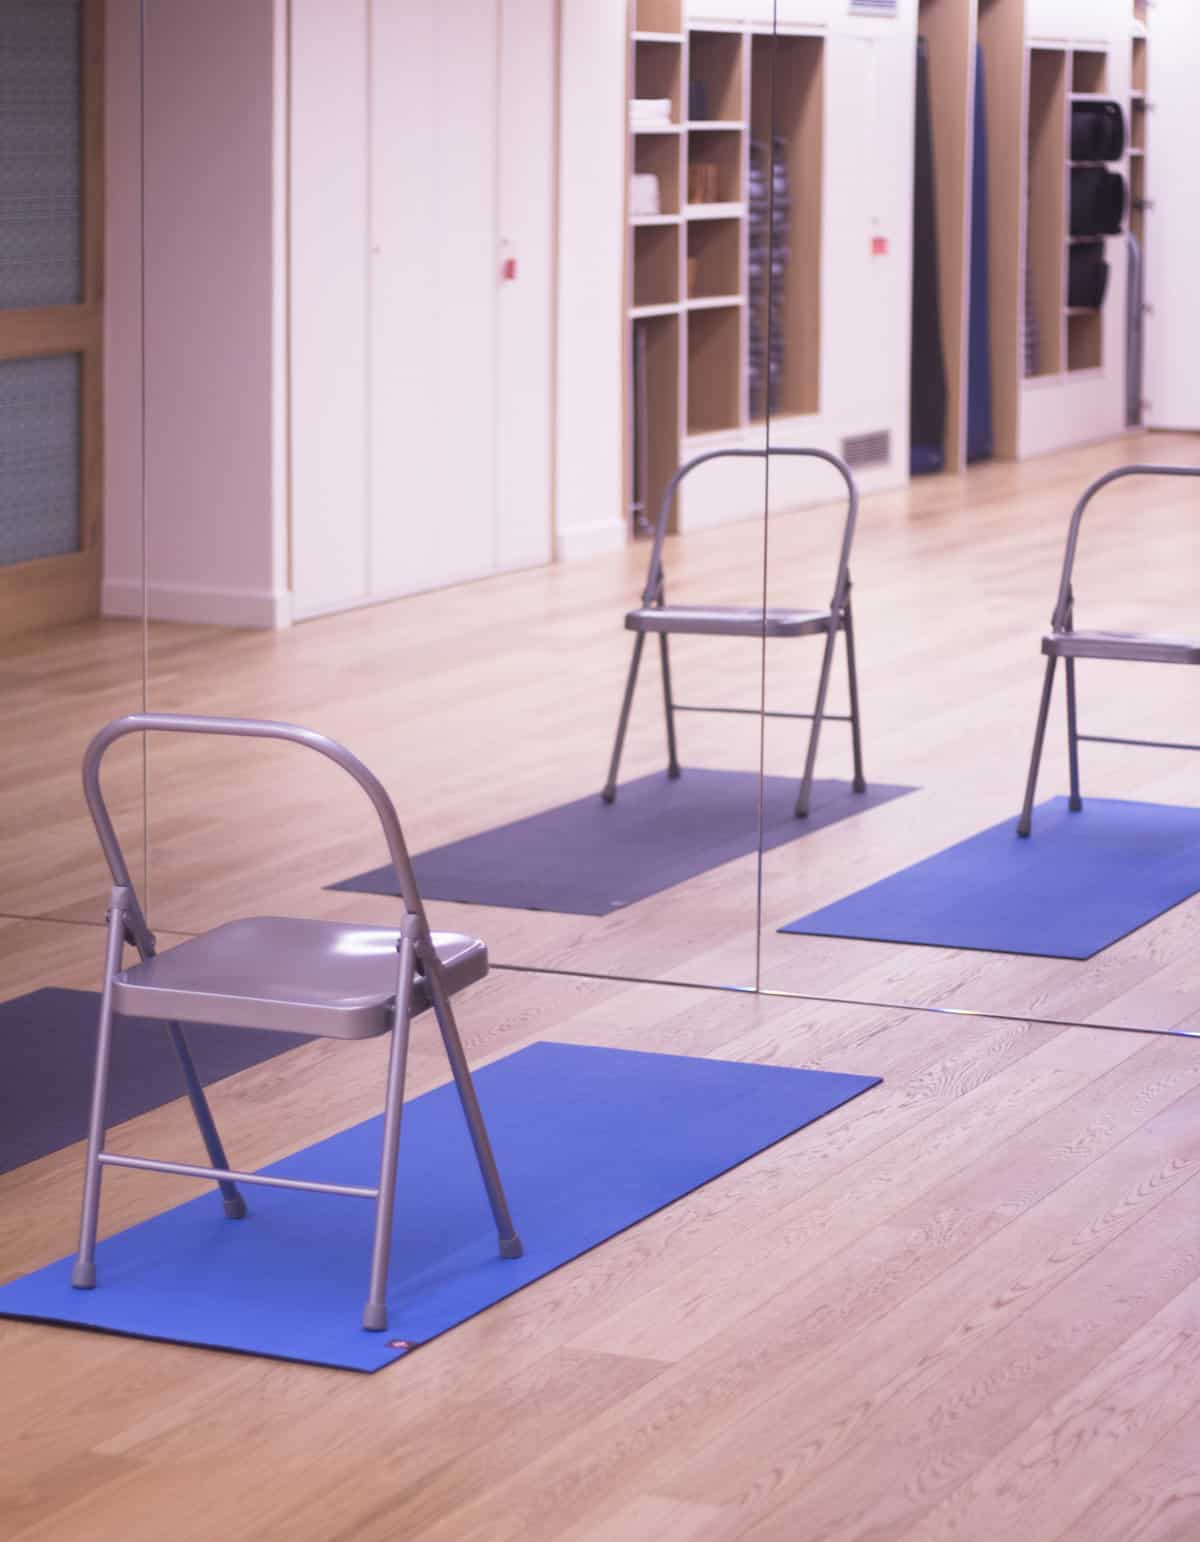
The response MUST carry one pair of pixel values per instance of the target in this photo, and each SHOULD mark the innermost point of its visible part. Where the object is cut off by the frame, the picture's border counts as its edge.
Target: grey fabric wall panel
(39, 457)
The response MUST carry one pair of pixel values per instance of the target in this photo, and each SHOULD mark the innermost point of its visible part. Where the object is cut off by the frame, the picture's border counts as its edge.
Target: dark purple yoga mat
(47, 1044)
(589, 857)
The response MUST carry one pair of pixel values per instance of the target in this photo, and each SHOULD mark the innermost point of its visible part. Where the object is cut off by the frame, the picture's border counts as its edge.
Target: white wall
(1172, 379)
(591, 258)
(215, 508)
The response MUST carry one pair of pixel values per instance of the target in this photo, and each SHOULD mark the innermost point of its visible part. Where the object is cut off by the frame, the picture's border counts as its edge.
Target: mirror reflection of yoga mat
(589, 857)
(1079, 883)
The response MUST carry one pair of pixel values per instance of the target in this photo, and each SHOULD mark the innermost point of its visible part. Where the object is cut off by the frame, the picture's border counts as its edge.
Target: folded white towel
(650, 109)
(644, 195)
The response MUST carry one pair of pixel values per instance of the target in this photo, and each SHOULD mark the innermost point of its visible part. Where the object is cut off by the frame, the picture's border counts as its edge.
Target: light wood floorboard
(965, 1306)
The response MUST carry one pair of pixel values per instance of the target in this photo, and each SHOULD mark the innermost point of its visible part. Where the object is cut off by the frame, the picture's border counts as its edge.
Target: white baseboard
(196, 605)
(575, 542)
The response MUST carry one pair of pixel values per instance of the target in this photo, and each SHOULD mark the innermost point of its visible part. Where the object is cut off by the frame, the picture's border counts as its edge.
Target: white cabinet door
(422, 156)
(432, 262)
(461, 302)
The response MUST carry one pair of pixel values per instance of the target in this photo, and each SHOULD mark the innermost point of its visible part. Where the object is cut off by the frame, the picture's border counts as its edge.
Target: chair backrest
(652, 594)
(1062, 605)
(245, 728)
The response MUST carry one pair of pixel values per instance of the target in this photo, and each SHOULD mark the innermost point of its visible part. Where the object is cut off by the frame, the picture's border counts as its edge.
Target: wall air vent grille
(868, 449)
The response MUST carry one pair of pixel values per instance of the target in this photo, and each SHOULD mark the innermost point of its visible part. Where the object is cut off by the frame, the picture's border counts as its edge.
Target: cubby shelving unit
(688, 292)
(1070, 338)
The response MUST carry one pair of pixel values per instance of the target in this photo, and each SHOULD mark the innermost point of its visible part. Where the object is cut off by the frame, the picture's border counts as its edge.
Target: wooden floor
(965, 1306)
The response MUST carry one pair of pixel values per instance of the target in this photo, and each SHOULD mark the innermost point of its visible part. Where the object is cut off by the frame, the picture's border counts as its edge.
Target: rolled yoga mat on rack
(589, 1140)
(1078, 884)
(927, 382)
(588, 857)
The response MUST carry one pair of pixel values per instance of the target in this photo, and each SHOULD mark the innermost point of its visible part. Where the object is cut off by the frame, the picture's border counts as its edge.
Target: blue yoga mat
(1079, 883)
(47, 1054)
(589, 857)
(588, 1140)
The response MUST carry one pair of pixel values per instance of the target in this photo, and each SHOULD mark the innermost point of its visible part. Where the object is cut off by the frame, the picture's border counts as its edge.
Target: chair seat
(727, 620)
(294, 976)
(1141, 647)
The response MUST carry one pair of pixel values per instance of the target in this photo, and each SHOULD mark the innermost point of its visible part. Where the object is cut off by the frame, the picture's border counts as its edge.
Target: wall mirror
(71, 536)
(458, 369)
(1023, 389)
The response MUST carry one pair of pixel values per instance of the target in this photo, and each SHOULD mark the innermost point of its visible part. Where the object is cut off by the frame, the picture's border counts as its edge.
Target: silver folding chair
(655, 615)
(1063, 641)
(296, 976)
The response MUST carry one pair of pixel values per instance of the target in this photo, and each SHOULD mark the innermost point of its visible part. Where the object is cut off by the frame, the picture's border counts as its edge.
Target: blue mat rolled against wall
(588, 857)
(1079, 883)
(589, 1141)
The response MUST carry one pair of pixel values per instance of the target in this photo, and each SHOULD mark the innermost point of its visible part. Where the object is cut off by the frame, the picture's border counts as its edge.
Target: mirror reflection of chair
(296, 976)
(1063, 641)
(654, 615)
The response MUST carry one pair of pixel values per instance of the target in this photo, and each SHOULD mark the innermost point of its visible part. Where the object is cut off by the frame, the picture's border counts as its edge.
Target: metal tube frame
(840, 621)
(127, 922)
(1062, 622)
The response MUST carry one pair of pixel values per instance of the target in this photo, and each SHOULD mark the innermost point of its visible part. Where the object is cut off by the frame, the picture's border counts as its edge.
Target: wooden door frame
(50, 590)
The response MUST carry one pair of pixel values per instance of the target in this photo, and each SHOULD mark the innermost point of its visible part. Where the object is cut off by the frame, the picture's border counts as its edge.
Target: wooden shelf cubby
(658, 73)
(1089, 72)
(787, 110)
(660, 154)
(1047, 190)
(688, 292)
(714, 369)
(1085, 336)
(715, 61)
(655, 265)
(714, 258)
(725, 154)
(658, 16)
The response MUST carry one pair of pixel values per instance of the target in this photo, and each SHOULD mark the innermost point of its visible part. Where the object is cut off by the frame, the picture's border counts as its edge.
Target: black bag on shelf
(1097, 201)
(1097, 131)
(1087, 275)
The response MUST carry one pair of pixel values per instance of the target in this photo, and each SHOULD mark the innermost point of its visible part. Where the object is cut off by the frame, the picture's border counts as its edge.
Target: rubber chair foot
(674, 773)
(510, 1247)
(1023, 831)
(1075, 805)
(859, 784)
(374, 1318)
(83, 1276)
(609, 795)
(235, 1208)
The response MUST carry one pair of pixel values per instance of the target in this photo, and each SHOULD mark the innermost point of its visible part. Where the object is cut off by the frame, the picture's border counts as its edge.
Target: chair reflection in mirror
(322, 978)
(655, 615)
(1062, 641)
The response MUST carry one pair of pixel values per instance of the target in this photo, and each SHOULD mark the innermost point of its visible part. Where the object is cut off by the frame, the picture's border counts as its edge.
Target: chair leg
(1076, 802)
(610, 786)
(860, 781)
(83, 1274)
(814, 734)
(669, 708)
(510, 1242)
(375, 1311)
(1039, 739)
(235, 1204)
